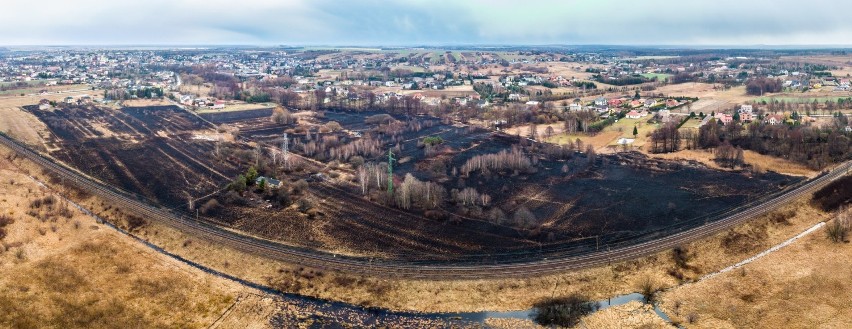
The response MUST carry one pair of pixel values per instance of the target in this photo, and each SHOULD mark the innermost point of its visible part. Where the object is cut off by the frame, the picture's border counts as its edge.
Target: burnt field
(148, 151)
(462, 191)
(458, 192)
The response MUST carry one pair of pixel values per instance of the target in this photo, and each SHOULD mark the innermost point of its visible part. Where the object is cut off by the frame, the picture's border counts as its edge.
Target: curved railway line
(386, 268)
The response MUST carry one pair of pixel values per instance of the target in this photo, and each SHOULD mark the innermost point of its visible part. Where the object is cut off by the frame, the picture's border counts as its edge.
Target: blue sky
(422, 22)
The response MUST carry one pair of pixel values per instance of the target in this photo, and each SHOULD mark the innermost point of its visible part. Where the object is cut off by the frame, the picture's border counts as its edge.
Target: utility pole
(390, 171)
(285, 149)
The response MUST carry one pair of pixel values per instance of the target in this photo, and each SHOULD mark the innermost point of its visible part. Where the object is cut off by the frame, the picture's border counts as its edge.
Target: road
(388, 268)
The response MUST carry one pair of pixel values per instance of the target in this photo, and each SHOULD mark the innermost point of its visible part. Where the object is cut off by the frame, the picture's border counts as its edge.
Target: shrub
(210, 207)
(648, 288)
(839, 227)
(378, 118)
(563, 311)
(134, 222)
(834, 195)
(681, 257)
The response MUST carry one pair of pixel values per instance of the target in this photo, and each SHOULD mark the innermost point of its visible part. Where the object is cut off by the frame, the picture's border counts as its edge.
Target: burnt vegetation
(450, 190)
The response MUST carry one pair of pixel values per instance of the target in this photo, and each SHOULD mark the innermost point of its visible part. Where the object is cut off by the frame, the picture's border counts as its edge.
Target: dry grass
(764, 162)
(631, 315)
(145, 102)
(70, 272)
(33, 99)
(23, 126)
(600, 140)
(804, 285)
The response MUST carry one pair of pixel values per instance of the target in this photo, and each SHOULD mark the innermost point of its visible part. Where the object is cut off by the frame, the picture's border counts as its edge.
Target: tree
(251, 176)
(635, 132)
(548, 132)
(239, 184)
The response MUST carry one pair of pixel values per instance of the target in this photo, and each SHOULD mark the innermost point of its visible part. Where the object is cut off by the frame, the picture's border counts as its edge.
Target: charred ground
(460, 192)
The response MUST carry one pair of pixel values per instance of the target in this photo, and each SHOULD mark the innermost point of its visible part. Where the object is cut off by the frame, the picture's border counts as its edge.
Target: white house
(575, 107)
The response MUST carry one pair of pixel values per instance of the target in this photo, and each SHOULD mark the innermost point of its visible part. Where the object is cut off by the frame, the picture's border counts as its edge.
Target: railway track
(386, 268)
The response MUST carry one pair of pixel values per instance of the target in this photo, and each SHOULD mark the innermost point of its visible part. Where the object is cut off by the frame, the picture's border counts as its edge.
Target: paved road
(387, 268)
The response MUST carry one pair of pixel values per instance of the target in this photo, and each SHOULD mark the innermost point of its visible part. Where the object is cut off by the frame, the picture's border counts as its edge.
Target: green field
(659, 76)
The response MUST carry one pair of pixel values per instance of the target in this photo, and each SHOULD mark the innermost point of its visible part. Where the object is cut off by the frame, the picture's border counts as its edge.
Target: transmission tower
(285, 149)
(390, 172)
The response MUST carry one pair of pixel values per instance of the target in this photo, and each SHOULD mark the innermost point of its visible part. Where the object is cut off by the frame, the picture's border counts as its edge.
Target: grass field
(804, 285)
(31, 82)
(64, 271)
(788, 99)
(660, 76)
(237, 107)
(765, 162)
(50, 89)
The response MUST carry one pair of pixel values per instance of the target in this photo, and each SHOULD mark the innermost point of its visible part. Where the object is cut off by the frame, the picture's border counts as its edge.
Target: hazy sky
(425, 22)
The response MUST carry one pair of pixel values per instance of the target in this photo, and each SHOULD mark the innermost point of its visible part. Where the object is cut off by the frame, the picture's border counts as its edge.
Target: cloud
(422, 22)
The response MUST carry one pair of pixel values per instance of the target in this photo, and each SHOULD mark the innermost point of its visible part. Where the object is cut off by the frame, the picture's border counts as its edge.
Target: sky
(425, 22)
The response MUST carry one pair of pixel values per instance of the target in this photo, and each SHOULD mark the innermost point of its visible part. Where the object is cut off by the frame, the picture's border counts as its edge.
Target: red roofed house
(725, 118)
(615, 102)
(670, 103)
(633, 115)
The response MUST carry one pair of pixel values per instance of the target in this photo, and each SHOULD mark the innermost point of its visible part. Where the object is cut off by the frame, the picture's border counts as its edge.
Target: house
(671, 103)
(483, 103)
(650, 103)
(514, 97)
(44, 105)
(848, 129)
(635, 104)
(69, 100)
(533, 103)
(633, 115)
(218, 105)
(600, 101)
(615, 102)
(746, 113)
(774, 119)
(724, 118)
(270, 182)
(574, 107)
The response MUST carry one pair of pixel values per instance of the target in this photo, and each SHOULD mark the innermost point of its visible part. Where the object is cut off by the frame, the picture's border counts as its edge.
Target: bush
(648, 289)
(134, 222)
(838, 229)
(300, 186)
(378, 118)
(563, 311)
(834, 195)
(234, 198)
(681, 257)
(211, 207)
